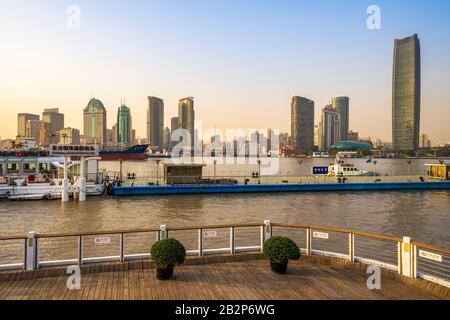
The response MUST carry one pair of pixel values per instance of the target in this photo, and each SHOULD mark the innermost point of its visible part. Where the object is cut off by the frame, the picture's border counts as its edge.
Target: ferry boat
(34, 175)
(321, 155)
(341, 169)
(137, 152)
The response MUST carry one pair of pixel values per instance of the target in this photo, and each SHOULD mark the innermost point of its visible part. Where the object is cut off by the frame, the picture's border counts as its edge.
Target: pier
(222, 261)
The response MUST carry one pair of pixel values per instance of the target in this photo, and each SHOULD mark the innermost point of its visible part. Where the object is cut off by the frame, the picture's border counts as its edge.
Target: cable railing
(407, 257)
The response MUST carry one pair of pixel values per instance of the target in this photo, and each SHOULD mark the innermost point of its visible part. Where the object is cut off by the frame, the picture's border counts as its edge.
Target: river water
(425, 215)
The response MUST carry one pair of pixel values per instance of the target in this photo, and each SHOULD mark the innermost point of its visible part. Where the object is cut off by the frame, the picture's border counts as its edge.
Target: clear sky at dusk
(241, 60)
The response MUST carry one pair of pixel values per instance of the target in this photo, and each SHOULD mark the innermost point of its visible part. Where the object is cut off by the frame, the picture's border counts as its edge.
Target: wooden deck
(232, 280)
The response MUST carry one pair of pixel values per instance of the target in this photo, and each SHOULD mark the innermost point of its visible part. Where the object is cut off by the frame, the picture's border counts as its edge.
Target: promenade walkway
(225, 278)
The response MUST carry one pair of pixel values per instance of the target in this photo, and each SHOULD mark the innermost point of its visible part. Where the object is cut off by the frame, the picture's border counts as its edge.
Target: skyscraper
(94, 123)
(124, 126)
(302, 123)
(22, 119)
(155, 122)
(173, 124)
(186, 117)
(329, 128)
(406, 94)
(342, 106)
(55, 119)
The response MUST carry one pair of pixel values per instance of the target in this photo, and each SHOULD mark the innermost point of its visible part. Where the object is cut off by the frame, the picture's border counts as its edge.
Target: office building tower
(406, 94)
(155, 122)
(22, 119)
(124, 126)
(302, 123)
(342, 106)
(94, 123)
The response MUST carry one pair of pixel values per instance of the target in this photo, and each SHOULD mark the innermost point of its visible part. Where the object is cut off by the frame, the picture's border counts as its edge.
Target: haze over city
(242, 62)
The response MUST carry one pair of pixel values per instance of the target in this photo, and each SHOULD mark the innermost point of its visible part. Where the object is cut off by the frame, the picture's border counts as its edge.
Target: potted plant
(166, 254)
(280, 250)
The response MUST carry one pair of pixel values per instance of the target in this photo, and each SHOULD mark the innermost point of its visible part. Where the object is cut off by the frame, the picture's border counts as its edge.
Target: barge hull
(274, 188)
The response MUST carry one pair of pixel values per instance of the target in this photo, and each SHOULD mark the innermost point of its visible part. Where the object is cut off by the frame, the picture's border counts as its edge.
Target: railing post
(406, 249)
(399, 258)
(163, 232)
(232, 242)
(266, 232)
(122, 247)
(31, 251)
(351, 247)
(414, 261)
(80, 250)
(308, 241)
(200, 242)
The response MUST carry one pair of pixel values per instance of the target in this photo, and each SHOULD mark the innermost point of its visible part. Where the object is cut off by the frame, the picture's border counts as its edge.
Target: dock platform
(274, 188)
(235, 277)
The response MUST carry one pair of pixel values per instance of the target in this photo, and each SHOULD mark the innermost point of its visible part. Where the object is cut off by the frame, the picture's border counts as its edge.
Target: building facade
(22, 119)
(124, 126)
(406, 94)
(342, 107)
(94, 123)
(155, 122)
(69, 136)
(329, 128)
(55, 119)
(302, 123)
(186, 117)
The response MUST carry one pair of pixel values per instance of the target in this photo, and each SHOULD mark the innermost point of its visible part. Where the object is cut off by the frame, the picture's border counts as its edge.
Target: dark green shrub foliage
(281, 250)
(168, 253)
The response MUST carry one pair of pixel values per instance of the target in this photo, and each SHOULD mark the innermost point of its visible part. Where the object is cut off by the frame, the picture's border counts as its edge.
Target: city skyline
(362, 70)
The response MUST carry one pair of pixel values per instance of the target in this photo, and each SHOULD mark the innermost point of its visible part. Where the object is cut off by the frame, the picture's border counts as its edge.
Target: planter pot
(279, 268)
(164, 274)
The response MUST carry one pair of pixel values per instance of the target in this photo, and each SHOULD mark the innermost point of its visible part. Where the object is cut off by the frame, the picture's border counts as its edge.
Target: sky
(242, 61)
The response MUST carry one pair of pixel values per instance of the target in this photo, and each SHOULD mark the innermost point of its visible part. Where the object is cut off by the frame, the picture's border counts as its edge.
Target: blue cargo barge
(274, 188)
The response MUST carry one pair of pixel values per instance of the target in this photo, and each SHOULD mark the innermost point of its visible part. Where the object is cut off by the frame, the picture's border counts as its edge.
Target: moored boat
(137, 152)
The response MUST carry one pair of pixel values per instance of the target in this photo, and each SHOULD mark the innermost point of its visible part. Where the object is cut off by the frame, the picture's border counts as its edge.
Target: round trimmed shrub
(168, 253)
(281, 250)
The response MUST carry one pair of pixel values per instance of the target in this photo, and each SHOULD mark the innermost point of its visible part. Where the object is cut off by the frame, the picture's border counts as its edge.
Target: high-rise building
(32, 129)
(406, 94)
(22, 119)
(69, 136)
(342, 106)
(352, 136)
(155, 122)
(124, 126)
(167, 137)
(173, 124)
(94, 124)
(316, 136)
(329, 128)
(55, 119)
(186, 117)
(425, 143)
(302, 123)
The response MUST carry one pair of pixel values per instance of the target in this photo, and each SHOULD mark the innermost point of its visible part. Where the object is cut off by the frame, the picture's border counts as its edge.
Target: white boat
(36, 178)
(341, 169)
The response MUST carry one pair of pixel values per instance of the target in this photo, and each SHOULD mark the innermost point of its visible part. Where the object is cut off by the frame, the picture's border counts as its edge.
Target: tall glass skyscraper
(155, 122)
(342, 106)
(124, 126)
(302, 123)
(94, 131)
(406, 94)
(186, 117)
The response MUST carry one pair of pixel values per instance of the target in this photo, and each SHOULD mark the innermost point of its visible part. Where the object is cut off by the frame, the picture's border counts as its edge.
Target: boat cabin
(439, 171)
(183, 173)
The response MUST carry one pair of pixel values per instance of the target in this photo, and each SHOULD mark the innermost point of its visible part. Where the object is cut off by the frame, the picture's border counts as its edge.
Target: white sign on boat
(321, 235)
(103, 240)
(210, 234)
(430, 256)
(74, 150)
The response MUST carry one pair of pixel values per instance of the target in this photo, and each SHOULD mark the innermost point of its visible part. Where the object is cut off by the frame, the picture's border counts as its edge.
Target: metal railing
(407, 257)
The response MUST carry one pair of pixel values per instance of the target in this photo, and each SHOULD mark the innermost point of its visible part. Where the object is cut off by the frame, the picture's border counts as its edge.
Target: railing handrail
(225, 226)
